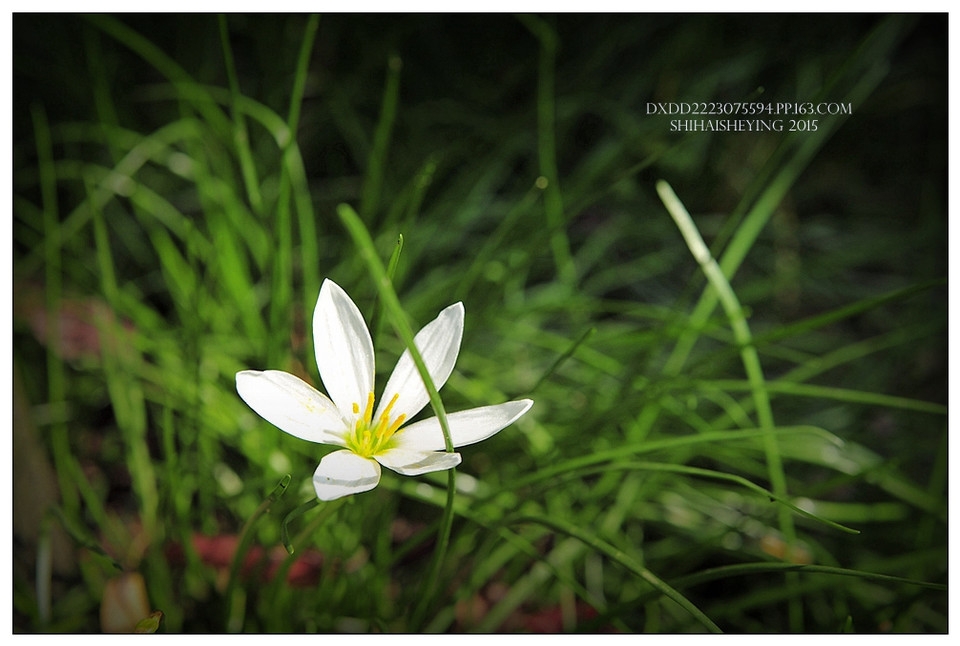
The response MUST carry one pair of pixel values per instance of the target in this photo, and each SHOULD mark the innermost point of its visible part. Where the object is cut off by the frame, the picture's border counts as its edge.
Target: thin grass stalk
(665, 444)
(292, 173)
(936, 485)
(56, 374)
(743, 569)
(234, 601)
(107, 117)
(418, 190)
(281, 294)
(127, 167)
(497, 238)
(766, 596)
(284, 524)
(377, 317)
(241, 140)
(532, 584)
(751, 363)
(822, 364)
(746, 234)
(710, 474)
(547, 148)
(863, 65)
(300, 76)
(179, 496)
(511, 544)
(179, 79)
(43, 576)
(837, 394)
(377, 161)
(141, 468)
(625, 560)
(843, 313)
(724, 293)
(583, 338)
(292, 186)
(126, 395)
(278, 586)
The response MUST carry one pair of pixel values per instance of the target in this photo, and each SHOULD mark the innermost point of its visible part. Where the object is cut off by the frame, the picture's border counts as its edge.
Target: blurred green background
(176, 179)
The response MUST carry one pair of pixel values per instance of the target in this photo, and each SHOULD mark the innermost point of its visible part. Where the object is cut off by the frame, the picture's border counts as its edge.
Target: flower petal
(344, 349)
(414, 463)
(342, 473)
(466, 427)
(439, 345)
(292, 405)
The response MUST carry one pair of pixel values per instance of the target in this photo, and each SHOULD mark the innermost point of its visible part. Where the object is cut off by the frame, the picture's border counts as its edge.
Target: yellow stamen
(397, 423)
(383, 429)
(393, 400)
(368, 412)
(369, 439)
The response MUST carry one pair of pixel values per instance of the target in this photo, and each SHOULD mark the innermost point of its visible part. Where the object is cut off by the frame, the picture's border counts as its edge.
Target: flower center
(370, 437)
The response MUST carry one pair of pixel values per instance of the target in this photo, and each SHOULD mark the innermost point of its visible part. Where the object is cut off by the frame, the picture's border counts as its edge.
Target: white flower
(347, 418)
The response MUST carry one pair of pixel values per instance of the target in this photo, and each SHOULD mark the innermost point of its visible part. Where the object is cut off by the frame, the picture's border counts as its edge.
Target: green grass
(736, 342)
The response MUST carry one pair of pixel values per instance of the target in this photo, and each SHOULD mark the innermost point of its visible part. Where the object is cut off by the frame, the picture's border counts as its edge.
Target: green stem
(391, 303)
(388, 298)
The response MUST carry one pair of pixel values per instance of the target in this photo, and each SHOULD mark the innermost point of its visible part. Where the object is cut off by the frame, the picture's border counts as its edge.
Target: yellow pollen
(369, 439)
